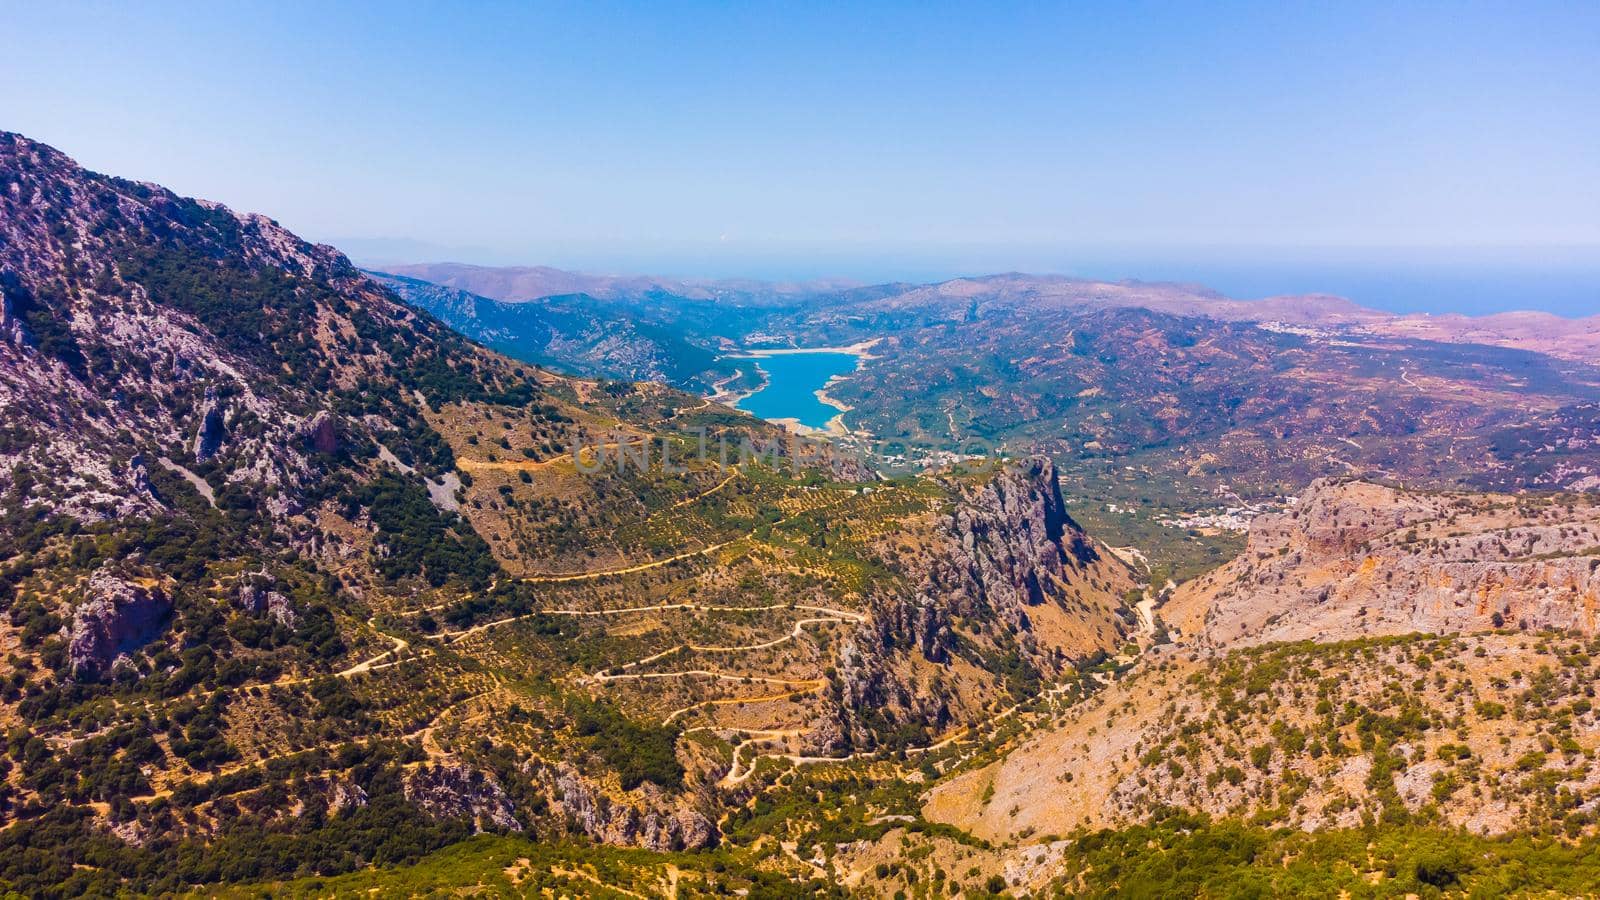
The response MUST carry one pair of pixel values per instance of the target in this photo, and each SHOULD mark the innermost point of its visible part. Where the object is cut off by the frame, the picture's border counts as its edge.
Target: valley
(858, 451)
(302, 591)
(1161, 403)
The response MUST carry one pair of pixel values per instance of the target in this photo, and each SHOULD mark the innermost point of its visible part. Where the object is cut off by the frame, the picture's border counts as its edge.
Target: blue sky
(874, 141)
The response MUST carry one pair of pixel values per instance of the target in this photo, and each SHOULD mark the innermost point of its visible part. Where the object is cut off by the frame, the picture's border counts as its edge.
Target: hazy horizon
(1425, 157)
(1563, 281)
(874, 142)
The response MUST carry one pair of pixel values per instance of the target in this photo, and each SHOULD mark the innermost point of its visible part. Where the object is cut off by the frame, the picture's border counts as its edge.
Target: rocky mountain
(518, 284)
(115, 618)
(1353, 559)
(1375, 655)
(216, 454)
(1008, 585)
(296, 580)
(149, 332)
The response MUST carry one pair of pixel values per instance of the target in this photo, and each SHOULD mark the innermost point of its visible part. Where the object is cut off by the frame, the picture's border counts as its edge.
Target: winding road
(559, 577)
(453, 636)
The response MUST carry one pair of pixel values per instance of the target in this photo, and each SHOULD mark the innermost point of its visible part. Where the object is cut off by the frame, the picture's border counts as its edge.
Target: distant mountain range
(520, 283)
(1143, 392)
(1577, 339)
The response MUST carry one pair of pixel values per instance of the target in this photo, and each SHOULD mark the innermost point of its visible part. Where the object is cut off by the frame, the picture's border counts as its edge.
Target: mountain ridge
(577, 334)
(294, 578)
(1570, 337)
(518, 284)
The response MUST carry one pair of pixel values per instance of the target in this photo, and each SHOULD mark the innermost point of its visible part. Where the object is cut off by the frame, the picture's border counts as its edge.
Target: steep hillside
(1375, 657)
(1489, 732)
(1007, 586)
(295, 580)
(144, 331)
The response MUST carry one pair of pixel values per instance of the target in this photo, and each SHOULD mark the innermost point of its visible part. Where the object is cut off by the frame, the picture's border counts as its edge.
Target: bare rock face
(1009, 547)
(250, 594)
(116, 617)
(212, 432)
(139, 472)
(651, 821)
(254, 595)
(1353, 559)
(871, 681)
(344, 795)
(281, 609)
(1006, 548)
(845, 467)
(458, 792)
(132, 832)
(13, 330)
(1007, 552)
(320, 433)
(186, 365)
(1016, 541)
(1334, 518)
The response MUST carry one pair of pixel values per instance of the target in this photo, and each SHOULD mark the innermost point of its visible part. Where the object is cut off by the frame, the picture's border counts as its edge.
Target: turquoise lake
(792, 382)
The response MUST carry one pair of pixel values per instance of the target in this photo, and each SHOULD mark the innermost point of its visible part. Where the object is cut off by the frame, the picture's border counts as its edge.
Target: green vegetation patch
(638, 752)
(1180, 855)
(419, 540)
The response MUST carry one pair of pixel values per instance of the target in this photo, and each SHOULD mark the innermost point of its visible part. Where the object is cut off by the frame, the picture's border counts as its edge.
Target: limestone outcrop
(116, 617)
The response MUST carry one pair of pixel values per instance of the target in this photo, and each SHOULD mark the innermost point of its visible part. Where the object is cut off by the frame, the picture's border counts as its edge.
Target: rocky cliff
(1008, 581)
(1352, 558)
(117, 615)
(457, 792)
(647, 817)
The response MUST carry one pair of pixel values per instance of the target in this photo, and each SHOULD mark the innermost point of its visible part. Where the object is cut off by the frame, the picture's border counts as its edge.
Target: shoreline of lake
(787, 380)
(835, 426)
(859, 350)
(731, 397)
